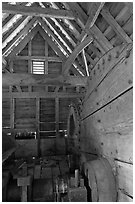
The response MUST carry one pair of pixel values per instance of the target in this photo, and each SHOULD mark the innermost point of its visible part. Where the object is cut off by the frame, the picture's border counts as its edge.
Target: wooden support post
(29, 88)
(29, 54)
(24, 182)
(85, 61)
(12, 109)
(57, 119)
(37, 125)
(46, 55)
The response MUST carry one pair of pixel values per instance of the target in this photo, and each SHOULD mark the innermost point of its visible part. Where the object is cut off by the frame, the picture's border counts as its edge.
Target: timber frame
(69, 39)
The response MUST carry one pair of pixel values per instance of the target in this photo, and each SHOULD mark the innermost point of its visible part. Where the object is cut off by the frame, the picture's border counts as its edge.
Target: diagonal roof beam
(37, 11)
(94, 10)
(116, 27)
(74, 54)
(24, 42)
(51, 43)
(60, 43)
(44, 25)
(13, 28)
(55, 47)
(22, 33)
(130, 6)
(10, 16)
(94, 31)
(7, 19)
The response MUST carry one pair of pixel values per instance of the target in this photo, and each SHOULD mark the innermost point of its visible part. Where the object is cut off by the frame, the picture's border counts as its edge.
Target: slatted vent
(38, 67)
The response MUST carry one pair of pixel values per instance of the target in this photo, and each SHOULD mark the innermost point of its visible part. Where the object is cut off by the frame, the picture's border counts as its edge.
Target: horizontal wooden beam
(9, 79)
(37, 11)
(43, 58)
(75, 53)
(41, 95)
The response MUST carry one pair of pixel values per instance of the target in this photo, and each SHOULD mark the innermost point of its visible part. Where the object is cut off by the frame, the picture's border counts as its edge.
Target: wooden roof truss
(80, 34)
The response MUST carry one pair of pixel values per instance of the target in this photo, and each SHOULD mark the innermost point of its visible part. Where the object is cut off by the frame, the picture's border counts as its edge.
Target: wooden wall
(43, 115)
(107, 117)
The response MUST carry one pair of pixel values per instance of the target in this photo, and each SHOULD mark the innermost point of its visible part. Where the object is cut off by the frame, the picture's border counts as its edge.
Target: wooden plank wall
(107, 118)
(25, 114)
(37, 114)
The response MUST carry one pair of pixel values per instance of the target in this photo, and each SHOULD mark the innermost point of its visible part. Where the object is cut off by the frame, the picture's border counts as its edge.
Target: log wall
(107, 120)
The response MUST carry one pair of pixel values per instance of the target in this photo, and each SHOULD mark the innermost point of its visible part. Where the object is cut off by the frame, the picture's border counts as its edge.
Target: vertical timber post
(57, 119)
(46, 55)
(12, 102)
(37, 125)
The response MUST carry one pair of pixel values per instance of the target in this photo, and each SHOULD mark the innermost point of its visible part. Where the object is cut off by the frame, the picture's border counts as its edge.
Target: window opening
(38, 67)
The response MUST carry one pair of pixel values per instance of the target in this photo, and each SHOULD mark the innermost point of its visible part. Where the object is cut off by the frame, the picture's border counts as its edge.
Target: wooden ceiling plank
(13, 28)
(116, 27)
(25, 79)
(24, 42)
(74, 54)
(37, 11)
(23, 32)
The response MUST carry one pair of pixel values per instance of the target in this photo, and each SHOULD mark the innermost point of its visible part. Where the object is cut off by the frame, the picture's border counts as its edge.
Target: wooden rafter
(116, 27)
(9, 79)
(130, 6)
(22, 33)
(51, 43)
(52, 34)
(94, 31)
(11, 16)
(74, 54)
(13, 28)
(24, 42)
(7, 19)
(61, 44)
(37, 11)
(94, 10)
(58, 31)
(4, 62)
